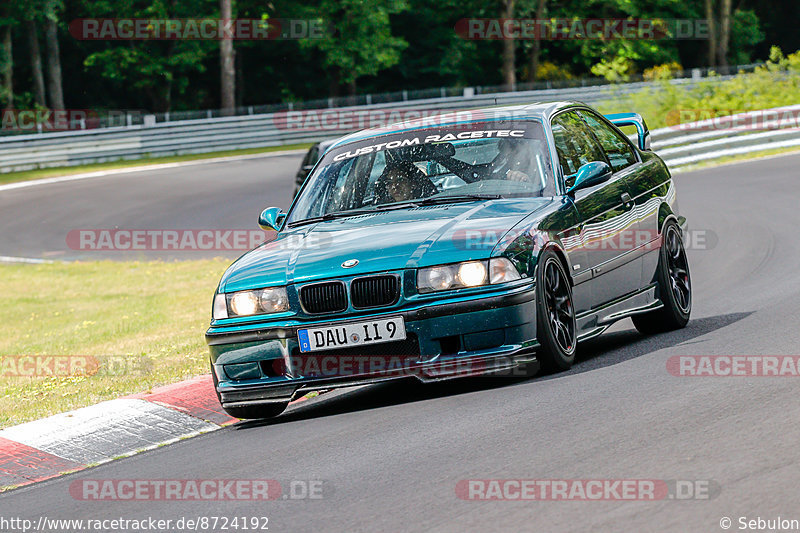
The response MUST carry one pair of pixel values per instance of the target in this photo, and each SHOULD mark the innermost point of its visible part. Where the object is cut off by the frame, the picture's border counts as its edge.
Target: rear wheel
(674, 286)
(555, 314)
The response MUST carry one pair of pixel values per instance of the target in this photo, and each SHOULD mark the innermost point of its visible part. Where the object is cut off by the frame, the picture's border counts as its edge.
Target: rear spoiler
(632, 119)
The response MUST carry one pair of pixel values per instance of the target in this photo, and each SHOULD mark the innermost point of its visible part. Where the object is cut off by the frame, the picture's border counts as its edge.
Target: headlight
(273, 300)
(502, 270)
(436, 278)
(472, 274)
(467, 274)
(244, 303)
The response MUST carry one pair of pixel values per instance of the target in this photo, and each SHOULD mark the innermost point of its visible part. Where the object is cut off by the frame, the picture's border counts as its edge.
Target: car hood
(387, 240)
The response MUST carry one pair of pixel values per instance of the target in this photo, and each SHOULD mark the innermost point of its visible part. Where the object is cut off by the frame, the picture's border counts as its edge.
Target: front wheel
(674, 286)
(556, 328)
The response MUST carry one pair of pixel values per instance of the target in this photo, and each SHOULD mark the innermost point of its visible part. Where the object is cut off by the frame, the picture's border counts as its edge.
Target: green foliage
(773, 85)
(374, 46)
(158, 69)
(746, 33)
(550, 71)
(362, 43)
(662, 72)
(618, 69)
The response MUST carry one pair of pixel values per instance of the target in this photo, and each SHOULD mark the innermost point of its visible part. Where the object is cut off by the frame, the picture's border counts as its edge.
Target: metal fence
(679, 146)
(589, 86)
(739, 134)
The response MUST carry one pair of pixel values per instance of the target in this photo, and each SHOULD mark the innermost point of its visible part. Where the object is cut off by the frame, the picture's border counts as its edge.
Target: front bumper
(489, 334)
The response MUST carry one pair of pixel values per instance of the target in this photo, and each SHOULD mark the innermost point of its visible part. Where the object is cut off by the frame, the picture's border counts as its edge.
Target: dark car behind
(309, 160)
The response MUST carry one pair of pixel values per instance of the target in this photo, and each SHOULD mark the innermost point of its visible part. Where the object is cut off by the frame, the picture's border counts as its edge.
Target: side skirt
(596, 321)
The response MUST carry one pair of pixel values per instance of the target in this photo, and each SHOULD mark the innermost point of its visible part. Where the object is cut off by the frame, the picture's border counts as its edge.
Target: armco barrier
(31, 151)
(722, 137)
(679, 146)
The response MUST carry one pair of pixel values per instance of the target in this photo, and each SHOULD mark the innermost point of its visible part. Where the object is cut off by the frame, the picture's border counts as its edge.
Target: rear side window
(619, 151)
(575, 145)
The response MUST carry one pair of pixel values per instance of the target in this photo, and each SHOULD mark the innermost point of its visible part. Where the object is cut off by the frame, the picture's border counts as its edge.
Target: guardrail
(32, 151)
(93, 119)
(680, 145)
(743, 133)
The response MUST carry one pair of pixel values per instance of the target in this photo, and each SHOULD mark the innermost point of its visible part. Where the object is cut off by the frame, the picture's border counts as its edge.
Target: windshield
(445, 164)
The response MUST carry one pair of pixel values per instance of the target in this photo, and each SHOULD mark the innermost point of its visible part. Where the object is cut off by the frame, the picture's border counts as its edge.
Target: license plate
(352, 334)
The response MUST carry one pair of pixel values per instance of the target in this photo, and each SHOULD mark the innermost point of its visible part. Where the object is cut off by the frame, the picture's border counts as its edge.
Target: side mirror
(591, 174)
(271, 218)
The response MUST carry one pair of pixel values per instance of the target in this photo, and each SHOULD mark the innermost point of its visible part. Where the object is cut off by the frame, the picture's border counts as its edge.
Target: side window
(311, 156)
(619, 151)
(575, 145)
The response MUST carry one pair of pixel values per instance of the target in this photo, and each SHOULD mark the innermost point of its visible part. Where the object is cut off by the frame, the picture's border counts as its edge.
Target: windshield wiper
(399, 205)
(456, 198)
(329, 216)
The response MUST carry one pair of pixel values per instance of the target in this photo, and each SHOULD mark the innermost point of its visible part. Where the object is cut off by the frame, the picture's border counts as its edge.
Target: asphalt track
(36, 221)
(390, 456)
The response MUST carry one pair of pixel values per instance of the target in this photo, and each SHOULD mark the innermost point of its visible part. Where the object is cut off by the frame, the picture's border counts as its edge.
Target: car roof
(324, 145)
(538, 110)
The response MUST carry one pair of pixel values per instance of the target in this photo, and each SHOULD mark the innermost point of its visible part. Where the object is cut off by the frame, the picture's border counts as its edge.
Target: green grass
(27, 175)
(150, 316)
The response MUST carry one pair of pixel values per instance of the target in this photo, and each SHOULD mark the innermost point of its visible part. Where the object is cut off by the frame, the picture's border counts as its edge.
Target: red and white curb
(78, 439)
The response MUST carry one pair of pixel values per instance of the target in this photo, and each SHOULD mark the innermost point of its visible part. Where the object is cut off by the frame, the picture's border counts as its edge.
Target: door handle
(626, 198)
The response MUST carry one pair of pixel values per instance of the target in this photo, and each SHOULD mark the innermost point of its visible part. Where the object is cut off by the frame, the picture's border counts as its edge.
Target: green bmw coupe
(481, 242)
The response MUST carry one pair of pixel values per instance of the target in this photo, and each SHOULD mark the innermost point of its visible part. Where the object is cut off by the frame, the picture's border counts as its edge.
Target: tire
(674, 286)
(257, 411)
(556, 329)
(250, 412)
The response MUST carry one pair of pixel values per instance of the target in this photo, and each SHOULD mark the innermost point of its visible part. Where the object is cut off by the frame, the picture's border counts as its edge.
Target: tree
(712, 33)
(154, 73)
(724, 33)
(53, 55)
(536, 47)
(8, 67)
(746, 34)
(362, 43)
(36, 62)
(719, 34)
(226, 57)
(509, 46)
